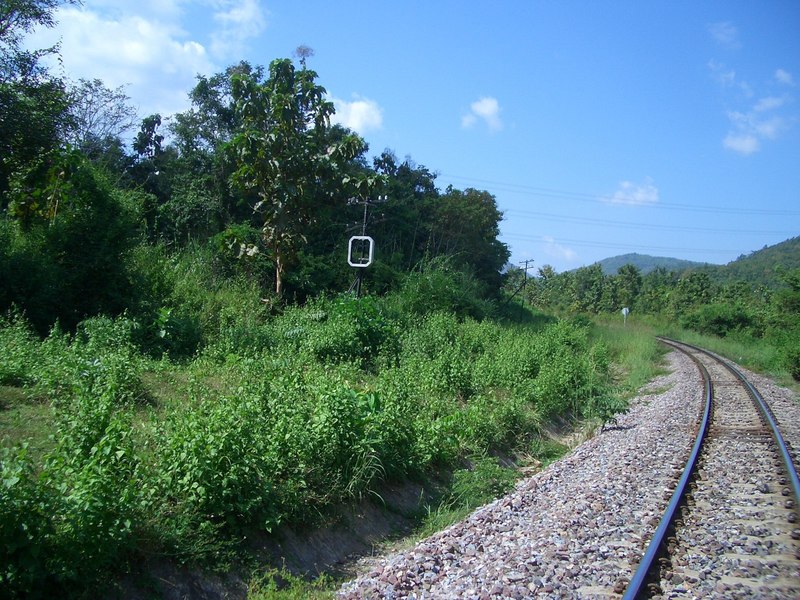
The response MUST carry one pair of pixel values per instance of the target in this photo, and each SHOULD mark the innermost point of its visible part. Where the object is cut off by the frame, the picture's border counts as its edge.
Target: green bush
(19, 350)
(71, 231)
(26, 526)
(344, 329)
(213, 467)
(722, 319)
(437, 286)
(70, 522)
(484, 482)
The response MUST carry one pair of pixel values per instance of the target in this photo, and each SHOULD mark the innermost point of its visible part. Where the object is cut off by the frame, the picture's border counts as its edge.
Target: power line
(630, 225)
(613, 245)
(530, 190)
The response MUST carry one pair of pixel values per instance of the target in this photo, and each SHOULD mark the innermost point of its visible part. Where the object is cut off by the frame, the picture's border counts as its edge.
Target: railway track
(732, 527)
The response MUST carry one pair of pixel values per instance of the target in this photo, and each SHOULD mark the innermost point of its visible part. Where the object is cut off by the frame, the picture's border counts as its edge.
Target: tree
(33, 104)
(692, 290)
(281, 153)
(587, 289)
(403, 223)
(70, 231)
(629, 281)
(466, 226)
(97, 114)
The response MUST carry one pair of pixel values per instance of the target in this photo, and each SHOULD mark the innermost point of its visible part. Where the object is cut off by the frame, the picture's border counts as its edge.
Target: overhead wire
(631, 225)
(614, 245)
(599, 198)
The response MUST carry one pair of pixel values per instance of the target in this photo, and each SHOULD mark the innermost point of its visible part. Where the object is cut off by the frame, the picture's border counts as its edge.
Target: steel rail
(769, 419)
(644, 571)
(640, 578)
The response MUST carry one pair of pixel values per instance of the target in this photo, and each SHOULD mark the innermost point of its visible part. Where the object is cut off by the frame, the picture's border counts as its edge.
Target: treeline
(691, 299)
(252, 178)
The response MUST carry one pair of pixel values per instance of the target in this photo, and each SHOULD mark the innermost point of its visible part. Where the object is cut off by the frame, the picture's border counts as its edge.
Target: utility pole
(361, 261)
(525, 280)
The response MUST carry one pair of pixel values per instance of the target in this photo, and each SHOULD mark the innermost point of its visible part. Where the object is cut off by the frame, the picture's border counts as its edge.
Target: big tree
(33, 103)
(283, 155)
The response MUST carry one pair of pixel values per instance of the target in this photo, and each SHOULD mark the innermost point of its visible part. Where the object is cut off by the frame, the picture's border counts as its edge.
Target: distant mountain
(761, 266)
(646, 263)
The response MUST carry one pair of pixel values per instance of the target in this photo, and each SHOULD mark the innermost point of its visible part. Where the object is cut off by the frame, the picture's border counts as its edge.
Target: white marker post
(625, 312)
(361, 261)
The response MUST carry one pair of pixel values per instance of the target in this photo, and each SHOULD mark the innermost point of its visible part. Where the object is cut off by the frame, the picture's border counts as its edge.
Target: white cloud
(722, 74)
(143, 45)
(725, 34)
(749, 129)
(239, 20)
(361, 115)
(756, 119)
(743, 143)
(486, 109)
(154, 59)
(784, 77)
(634, 194)
(769, 103)
(554, 249)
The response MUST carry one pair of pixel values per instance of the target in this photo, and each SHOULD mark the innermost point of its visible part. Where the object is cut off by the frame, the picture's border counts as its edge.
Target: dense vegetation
(645, 263)
(761, 308)
(181, 366)
(273, 421)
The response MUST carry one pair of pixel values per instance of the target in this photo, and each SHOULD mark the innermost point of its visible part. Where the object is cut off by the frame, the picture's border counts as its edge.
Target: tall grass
(277, 419)
(635, 352)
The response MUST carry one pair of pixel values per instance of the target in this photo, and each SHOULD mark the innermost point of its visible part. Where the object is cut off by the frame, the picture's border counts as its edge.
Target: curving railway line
(622, 516)
(737, 497)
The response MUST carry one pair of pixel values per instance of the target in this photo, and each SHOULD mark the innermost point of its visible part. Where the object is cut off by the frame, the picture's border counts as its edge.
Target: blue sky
(602, 128)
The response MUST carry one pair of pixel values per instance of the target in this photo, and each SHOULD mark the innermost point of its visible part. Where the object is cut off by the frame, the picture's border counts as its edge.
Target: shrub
(26, 527)
(20, 347)
(437, 286)
(213, 467)
(721, 320)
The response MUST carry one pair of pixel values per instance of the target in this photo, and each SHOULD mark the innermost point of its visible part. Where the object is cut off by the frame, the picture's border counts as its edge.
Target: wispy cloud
(725, 34)
(741, 143)
(361, 115)
(757, 117)
(784, 77)
(149, 54)
(486, 109)
(553, 249)
(238, 21)
(727, 78)
(760, 123)
(634, 194)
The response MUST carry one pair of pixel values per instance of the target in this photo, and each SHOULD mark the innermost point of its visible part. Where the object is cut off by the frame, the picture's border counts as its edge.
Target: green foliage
(437, 285)
(65, 255)
(721, 319)
(275, 584)
(20, 347)
(213, 468)
(24, 525)
(484, 482)
(344, 329)
(281, 152)
(69, 520)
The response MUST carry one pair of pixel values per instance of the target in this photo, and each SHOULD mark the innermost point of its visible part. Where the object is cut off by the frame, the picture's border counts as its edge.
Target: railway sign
(625, 312)
(357, 255)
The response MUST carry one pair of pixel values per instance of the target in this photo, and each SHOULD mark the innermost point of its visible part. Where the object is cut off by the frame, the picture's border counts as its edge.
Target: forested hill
(761, 266)
(646, 263)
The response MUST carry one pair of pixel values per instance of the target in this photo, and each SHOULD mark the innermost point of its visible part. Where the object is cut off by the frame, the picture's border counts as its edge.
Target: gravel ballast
(579, 527)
